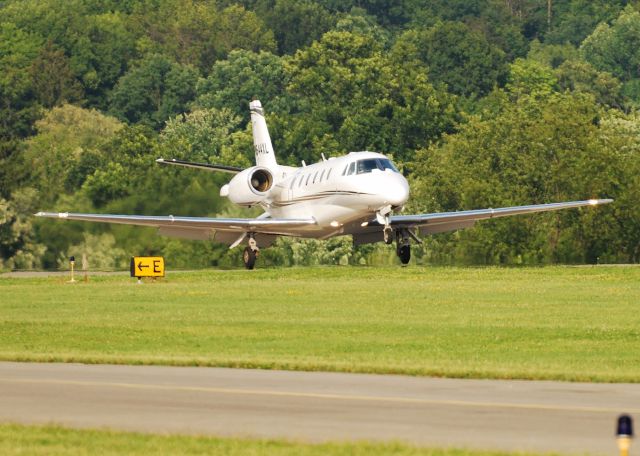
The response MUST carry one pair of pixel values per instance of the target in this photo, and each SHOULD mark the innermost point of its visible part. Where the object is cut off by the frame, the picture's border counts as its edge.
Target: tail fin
(265, 155)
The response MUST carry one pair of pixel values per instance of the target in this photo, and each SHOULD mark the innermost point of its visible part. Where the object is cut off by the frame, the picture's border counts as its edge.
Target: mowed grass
(564, 323)
(54, 440)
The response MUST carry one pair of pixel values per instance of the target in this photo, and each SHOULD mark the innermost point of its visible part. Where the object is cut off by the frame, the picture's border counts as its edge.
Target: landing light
(335, 224)
(363, 224)
(593, 202)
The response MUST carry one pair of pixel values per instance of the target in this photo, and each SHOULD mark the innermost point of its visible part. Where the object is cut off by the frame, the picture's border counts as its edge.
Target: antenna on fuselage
(322, 155)
(304, 165)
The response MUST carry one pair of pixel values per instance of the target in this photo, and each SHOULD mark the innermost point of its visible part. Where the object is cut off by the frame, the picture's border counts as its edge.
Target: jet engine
(249, 187)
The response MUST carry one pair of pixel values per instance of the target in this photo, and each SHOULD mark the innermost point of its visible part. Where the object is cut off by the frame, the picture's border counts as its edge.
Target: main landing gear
(403, 244)
(250, 253)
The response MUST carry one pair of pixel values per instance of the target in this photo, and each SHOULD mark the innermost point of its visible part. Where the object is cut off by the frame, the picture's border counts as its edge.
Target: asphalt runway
(316, 407)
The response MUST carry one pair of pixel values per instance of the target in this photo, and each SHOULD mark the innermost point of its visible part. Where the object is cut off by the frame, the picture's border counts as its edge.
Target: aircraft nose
(396, 192)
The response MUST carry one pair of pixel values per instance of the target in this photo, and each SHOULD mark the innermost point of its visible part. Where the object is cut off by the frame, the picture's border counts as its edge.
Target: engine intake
(249, 187)
(261, 180)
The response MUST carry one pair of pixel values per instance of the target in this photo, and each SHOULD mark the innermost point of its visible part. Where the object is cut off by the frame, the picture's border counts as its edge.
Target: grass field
(566, 323)
(53, 440)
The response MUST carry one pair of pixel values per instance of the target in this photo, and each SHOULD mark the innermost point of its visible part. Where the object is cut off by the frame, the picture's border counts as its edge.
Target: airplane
(358, 194)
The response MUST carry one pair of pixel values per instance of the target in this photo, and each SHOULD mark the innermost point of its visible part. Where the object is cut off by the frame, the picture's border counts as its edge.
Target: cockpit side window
(368, 165)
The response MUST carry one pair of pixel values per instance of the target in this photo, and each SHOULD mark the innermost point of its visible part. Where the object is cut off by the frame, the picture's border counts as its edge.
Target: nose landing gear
(250, 253)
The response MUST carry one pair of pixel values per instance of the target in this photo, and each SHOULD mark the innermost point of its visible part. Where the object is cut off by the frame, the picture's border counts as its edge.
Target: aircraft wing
(205, 166)
(225, 230)
(449, 221)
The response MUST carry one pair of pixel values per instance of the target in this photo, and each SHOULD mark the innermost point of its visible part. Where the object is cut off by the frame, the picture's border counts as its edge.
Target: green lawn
(566, 323)
(53, 440)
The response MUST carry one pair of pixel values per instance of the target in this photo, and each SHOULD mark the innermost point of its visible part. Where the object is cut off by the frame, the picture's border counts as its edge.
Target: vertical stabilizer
(262, 146)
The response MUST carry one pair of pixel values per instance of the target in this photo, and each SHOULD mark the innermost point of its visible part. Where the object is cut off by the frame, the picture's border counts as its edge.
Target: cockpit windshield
(368, 165)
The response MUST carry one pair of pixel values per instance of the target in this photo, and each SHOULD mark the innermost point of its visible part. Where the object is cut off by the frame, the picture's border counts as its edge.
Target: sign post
(146, 267)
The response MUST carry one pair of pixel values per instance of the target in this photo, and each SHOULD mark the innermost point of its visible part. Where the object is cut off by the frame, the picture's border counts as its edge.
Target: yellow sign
(147, 267)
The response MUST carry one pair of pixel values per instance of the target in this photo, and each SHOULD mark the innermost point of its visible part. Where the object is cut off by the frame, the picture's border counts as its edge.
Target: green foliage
(296, 23)
(208, 136)
(615, 48)
(352, 96)
(53, 158)
(198, 33)
(18, 245)
(456, 56)
(538, 147)
(241, 77)
(153, 91)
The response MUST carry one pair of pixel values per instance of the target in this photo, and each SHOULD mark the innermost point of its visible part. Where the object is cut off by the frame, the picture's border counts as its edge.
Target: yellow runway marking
(345, 397)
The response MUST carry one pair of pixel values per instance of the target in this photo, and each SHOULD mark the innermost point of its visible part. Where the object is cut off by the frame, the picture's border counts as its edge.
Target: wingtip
(160, 160)
(596, 202)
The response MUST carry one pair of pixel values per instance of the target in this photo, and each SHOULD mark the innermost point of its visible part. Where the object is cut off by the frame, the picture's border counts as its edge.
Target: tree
(353, 97)
(210, 136)
(52, 79)
(295, 23)
(19, 248)
(244, 75)
(456, 56)
(616, 48)
(153, 91)
(197, 33)
(18, 107)
(54, 156)
(538, 146)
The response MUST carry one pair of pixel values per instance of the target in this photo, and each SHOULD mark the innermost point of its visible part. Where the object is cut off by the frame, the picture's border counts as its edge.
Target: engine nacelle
(249, 187)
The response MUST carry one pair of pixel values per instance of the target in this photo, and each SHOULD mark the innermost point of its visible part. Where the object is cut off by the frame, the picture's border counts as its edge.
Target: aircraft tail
(265, 156)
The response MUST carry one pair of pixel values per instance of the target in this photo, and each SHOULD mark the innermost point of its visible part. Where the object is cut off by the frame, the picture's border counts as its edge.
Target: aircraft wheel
(249, 258)
(404, 253)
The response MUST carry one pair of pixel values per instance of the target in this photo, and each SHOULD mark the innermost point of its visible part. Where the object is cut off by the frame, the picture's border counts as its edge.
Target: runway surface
(315, 407)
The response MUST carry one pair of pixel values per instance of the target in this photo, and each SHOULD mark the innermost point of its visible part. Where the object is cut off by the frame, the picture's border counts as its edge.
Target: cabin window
(307, 181)
(321, 175)
(293, 181)
(329, 173)
(344, 171)
(300, 182)
(314, 177)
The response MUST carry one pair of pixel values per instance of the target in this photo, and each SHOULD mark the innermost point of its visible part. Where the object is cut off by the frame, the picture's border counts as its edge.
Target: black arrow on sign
(140, 265)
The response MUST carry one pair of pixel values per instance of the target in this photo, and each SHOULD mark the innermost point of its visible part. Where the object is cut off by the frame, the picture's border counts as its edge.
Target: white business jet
(358, 194)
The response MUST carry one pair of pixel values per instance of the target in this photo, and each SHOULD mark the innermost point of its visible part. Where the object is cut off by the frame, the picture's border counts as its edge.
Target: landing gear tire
(249, 257)
(404, 253)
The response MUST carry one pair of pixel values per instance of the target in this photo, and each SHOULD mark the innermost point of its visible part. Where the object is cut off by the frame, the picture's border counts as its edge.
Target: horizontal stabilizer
(205, 166)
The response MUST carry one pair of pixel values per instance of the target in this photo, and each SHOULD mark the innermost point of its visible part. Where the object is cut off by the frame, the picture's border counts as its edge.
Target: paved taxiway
(312, 406)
